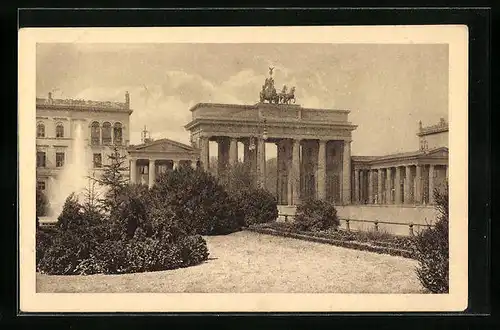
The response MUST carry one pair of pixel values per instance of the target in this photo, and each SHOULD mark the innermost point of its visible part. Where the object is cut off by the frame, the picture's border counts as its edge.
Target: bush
(198, 200)
(432, 249)
(87, 243)
(316, 215)
(257, 206)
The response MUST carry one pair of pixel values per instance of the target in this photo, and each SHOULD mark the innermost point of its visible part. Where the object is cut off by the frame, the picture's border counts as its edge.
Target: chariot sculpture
(269, 94)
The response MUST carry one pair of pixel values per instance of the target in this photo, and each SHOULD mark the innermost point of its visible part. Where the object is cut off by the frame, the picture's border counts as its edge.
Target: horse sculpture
(286, 97)
(269, 93)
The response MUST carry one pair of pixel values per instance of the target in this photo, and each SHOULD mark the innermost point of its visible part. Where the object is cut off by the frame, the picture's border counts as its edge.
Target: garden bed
(378, 242)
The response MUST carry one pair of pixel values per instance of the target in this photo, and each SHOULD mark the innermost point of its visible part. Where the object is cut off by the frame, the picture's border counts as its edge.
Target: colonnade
(305, 167)
(405, 184)
(145, 170)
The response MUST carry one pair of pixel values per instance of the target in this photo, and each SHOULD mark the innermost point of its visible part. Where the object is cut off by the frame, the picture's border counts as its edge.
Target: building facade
(99, 127)
(407, 178)
(154, 157)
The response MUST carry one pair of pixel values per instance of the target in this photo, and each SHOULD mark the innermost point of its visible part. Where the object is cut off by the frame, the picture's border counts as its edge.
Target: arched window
(59, 130)
(40, 130)
(95, 133)
(117, 133)
(106, 133)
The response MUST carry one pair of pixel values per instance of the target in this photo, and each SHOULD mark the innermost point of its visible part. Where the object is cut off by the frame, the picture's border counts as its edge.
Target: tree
(91, 196)
(432, 249)
(113, 179)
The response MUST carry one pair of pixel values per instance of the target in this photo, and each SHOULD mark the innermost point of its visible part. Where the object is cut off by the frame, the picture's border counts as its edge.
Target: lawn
(258, 263)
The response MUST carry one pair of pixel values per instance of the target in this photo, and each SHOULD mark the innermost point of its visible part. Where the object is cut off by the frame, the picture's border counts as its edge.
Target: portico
(313, 146)
(152, 158)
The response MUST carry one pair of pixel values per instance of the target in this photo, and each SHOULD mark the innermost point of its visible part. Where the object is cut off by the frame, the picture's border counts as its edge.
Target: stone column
(388, 186)
(407, 185)
(261, 163)
(446, 166)
(133, 170)
(204, 153)
(418, 185)
(356, 186)
(295, 172)
(175, 164)
(233, 151)
(346, 173)
(321, 176)
(152, 173)
(370, 187)
(379, 186)
(223, 155)
(431, 184)
(397, 186)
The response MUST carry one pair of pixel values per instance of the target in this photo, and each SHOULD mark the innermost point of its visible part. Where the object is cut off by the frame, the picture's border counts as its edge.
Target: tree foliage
(432, 248)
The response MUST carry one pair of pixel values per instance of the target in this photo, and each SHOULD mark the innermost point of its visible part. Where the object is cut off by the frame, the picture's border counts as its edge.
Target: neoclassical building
(406, 178)
(102, 126)
(153, 157)
(313, 145)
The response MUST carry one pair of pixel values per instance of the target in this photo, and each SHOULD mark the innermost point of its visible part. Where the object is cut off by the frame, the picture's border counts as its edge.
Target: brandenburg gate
(313, 145)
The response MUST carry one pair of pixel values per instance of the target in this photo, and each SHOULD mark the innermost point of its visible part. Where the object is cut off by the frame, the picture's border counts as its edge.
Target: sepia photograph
(241, 170)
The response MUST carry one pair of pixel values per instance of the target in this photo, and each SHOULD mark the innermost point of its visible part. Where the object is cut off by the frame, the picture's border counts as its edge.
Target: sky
(387, 88)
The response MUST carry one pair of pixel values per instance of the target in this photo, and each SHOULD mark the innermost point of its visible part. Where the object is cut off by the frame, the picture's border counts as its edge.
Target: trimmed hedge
(314, 237)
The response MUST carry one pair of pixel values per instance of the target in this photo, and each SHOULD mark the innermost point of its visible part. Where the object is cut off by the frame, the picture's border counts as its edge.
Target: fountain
(74, 176)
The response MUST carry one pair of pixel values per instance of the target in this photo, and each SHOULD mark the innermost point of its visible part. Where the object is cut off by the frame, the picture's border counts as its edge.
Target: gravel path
(258, 263)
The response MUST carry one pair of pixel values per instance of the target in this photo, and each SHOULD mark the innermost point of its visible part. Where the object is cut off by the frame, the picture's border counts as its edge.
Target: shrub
(257, 206)
(43, 241)
(193, 249)
(432, 249)
(316, 215)
(195, 197)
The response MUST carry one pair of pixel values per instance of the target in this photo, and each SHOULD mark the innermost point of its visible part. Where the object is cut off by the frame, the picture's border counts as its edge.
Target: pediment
(440, 152)
(165, 145)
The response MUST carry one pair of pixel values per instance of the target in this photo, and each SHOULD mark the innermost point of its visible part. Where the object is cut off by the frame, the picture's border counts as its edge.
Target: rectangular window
(40, 185)
(97, 160)
(40, 159)
(59, 159)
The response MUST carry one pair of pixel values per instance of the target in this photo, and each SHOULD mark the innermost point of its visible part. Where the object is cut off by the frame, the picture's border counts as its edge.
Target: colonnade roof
(441, 152)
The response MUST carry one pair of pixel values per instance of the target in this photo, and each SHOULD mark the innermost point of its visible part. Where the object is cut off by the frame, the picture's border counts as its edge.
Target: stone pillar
(223, 155)
(204, 153)
(431, 184)
(356, 186)
(261, 163)
(370, 187)
(233, 152)
(193, 163)
(388, 186)
(295, 173)
(152, 173)
(175, 164)
(418, 185)
(346, 173)
(446, 175)
(379, 186)
(397, 186)
(133, 170)
(407, 185)
(321, 175)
